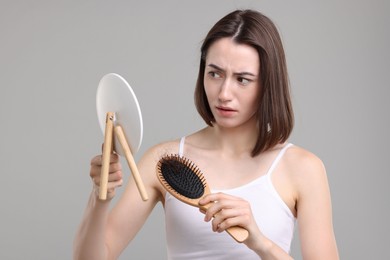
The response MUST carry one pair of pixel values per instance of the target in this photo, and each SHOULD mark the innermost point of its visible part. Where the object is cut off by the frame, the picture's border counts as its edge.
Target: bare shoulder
(151, 157)
(154, 153)
(302, 159)
(305, 168)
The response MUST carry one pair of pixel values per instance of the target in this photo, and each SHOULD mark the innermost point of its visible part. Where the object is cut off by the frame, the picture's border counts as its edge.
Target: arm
(314, 210)
(103, 234)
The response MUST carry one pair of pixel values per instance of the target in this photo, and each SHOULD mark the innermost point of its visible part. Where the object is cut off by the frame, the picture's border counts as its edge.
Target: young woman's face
(231, 82)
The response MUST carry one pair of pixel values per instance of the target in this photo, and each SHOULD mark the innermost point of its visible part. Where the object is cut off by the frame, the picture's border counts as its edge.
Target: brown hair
(275, 114)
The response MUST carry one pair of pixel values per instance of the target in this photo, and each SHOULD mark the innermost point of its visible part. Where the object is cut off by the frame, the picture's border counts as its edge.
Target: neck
(234, 141)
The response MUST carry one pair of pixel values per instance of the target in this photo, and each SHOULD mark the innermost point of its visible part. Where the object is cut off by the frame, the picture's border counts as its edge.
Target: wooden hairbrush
(183, 179)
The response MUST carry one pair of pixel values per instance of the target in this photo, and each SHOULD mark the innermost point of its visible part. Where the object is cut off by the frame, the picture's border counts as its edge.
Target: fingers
(115, 176)
(225, 211)
(227, 218)
(96, 164)
(97, 160)
(112, 177)
(219, 201)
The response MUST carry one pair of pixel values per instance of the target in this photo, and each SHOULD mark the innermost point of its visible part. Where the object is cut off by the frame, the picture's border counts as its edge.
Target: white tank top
(190, 237)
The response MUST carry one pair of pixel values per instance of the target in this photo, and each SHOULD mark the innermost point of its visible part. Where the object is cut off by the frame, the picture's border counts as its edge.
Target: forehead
(228, 54)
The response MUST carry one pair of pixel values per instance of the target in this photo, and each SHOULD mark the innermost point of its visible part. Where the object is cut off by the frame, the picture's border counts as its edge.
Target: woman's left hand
(225, 211)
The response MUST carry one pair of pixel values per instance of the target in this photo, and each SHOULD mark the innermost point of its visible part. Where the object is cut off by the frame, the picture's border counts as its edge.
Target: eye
(244, 81)
(214, 74)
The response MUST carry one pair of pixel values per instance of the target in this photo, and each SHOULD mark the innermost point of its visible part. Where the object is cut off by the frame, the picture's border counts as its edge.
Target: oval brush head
(182, 178)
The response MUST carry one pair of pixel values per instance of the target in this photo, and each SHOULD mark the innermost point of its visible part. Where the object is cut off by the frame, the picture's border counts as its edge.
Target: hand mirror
(120, 120)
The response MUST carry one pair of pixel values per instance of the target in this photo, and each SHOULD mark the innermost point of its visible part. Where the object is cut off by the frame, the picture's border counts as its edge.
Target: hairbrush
(183, 179)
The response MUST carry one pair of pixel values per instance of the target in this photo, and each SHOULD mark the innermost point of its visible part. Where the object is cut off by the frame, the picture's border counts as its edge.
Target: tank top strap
(277, 159)
(181, 146)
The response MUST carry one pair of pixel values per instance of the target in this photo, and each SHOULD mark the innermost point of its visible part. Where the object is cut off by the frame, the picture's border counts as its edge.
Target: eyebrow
(237, 73)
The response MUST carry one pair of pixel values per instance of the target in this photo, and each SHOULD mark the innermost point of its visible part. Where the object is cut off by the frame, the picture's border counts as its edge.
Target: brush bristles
(182, 176)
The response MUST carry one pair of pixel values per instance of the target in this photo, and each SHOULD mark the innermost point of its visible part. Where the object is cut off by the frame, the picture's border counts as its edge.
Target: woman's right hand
(115, 178)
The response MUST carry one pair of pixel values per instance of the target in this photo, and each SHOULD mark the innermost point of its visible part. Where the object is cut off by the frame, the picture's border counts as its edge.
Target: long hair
(274, 114)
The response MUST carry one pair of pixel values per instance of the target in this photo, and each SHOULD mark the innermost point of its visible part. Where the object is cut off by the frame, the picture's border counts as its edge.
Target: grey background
(53, 54)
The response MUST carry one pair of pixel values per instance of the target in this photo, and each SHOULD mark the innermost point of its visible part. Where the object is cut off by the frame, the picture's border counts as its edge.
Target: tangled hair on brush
(274, 114)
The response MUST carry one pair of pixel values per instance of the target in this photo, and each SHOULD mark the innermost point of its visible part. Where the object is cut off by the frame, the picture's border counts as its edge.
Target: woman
(259, 181)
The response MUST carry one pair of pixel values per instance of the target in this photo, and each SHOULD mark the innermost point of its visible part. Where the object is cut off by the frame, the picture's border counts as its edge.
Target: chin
(226, 123)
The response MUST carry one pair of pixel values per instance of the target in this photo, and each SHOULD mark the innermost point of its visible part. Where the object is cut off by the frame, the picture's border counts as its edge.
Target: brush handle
(107, 150)
(130, 161)
(239, 234)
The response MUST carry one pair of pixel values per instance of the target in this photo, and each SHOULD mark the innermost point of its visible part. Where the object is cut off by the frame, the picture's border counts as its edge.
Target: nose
(225, 92)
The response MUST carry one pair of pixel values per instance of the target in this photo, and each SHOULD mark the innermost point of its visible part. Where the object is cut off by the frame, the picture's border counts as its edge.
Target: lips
(225, 108)
(225, 111)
